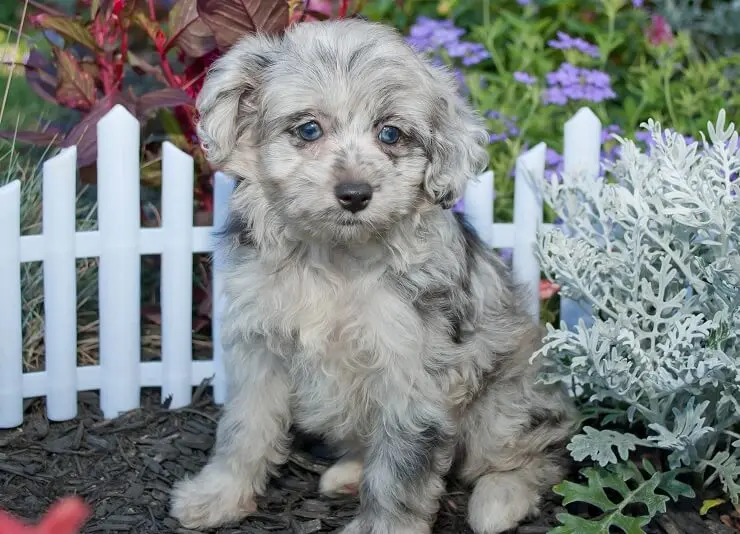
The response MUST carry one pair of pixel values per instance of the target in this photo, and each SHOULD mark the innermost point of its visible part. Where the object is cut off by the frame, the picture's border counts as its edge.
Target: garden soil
(125, 467)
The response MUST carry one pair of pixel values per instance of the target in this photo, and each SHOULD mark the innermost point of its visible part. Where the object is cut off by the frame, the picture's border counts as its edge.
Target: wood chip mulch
(125, 467)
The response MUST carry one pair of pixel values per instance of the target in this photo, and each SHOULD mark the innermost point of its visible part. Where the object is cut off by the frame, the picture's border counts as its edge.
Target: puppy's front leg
(409, 453)
(251, 438)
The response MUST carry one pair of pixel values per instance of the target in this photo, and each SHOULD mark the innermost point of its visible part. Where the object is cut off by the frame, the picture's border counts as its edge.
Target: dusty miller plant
(654, 249)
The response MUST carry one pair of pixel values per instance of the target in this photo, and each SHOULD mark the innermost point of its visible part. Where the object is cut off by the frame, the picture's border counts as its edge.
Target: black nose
(353, 197)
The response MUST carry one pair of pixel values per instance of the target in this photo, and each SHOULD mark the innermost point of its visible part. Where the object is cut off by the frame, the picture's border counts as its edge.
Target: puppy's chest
(328, 317)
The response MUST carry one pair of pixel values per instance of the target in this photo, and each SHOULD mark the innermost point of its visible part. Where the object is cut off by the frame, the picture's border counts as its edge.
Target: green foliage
(634, 488)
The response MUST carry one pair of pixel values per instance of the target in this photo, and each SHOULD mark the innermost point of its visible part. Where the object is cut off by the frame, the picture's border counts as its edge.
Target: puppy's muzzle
(353, 197)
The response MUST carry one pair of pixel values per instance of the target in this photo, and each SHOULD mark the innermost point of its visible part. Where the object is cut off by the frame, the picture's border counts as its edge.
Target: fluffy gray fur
(391, 331)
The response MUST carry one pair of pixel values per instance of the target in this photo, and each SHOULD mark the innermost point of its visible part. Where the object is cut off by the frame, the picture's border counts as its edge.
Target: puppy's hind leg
(515, 452)
(502, 500)
(251, 438)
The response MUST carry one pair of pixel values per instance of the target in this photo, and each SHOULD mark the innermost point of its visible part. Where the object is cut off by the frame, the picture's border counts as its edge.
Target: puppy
(358, 306)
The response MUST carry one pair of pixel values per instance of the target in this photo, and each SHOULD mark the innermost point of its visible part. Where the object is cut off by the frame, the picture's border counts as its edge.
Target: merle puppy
(358, 306)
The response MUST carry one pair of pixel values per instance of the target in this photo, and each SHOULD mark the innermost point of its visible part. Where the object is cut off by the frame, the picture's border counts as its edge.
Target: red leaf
(188, 31)
(317, 15)
(65, 516)
(75, 85)
(148, 25)
(142, 67)
(68, 27)
(163, 98)
(229, 20)
(153, 313)
(41, 75)
(85, 136)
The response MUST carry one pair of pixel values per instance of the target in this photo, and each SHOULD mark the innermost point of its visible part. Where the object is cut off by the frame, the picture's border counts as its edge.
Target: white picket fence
(119, 242)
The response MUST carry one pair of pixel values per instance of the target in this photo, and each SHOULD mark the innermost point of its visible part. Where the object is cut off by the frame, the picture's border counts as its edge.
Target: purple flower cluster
(566, 42)
(524, 77)
(510, 128)
(646, 138)
(431, 35)
(575, 83)
(611, 149)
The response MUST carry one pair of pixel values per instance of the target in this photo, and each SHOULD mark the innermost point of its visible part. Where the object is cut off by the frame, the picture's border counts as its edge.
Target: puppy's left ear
(457, 150)
(227, 101)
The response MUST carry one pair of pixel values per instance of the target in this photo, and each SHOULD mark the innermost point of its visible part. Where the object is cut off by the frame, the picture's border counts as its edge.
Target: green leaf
(625, 480)
(69, 28)
(708, 504)
(172, 129)
(597, 445)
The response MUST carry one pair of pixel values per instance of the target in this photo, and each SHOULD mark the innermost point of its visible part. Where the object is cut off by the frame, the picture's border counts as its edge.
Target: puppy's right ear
(227, 102)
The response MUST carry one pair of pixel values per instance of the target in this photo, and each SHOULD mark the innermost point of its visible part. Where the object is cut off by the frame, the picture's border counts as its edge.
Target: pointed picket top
(117, 117)
(532, 164)
(172, 151)
(532, 157)
(582, 146)
(62, 160)
(10, 191)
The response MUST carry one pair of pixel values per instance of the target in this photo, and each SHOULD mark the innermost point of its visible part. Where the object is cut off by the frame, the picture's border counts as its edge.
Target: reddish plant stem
(152, 11)
(343, 8)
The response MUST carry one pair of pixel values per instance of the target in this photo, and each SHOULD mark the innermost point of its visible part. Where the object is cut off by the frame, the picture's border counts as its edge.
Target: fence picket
(222, 188)
(581, 153)
(11, 337)
(119, 276)
(60, 284)
(528, 216)
(478, 206)
(177, 275)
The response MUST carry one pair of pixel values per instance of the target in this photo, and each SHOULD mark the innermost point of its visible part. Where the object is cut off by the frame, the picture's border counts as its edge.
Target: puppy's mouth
(350, 221)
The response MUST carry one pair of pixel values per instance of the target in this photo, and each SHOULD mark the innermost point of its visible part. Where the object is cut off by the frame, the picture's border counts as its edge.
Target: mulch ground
(126, 466)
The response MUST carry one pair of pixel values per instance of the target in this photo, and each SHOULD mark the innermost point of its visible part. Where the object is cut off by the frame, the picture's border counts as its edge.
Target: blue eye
(310, 131)
(389, 135)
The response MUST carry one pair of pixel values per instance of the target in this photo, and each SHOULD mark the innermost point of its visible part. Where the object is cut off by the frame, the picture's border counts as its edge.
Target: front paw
(211, 499)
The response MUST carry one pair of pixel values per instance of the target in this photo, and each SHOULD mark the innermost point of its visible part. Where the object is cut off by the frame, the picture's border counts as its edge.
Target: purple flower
(552, 158)
(554, 95)
(507, 125)
(506, 254)
(637, 3)
(566, 42)
(524, 77)
(646, 138)
(523, 2)
(554, 163)
(575, 83)
(431, 36)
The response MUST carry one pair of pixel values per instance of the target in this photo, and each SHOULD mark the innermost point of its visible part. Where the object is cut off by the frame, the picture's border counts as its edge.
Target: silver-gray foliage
(654, 249)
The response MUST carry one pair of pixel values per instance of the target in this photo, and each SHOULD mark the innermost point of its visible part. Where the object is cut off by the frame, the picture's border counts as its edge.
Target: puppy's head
(342, 127)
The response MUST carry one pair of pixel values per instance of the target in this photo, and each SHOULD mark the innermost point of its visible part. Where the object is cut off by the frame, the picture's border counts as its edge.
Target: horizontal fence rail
(119, 242)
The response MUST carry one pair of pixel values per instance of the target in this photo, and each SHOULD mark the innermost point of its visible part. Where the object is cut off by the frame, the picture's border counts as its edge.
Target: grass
(22, 109)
